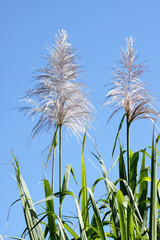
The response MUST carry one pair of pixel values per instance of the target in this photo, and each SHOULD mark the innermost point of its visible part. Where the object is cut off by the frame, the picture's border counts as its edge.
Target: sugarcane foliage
(31, 218)
(123, 202)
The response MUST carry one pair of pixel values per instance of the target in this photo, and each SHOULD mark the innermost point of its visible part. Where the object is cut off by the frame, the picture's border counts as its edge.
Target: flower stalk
(128, 92)
(128, 149)
(58, 99)
(53, 159)
(60, 168)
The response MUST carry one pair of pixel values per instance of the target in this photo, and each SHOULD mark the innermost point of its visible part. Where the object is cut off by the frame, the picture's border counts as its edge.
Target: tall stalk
(52, 184)
(128, 92)
(153, 206)
(52, 150)
(60, 166)
(128, 148)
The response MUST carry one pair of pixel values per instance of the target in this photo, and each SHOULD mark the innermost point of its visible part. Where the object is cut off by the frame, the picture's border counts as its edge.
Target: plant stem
(60, 166)
(128, 148)
(53, 169)
(153, 207)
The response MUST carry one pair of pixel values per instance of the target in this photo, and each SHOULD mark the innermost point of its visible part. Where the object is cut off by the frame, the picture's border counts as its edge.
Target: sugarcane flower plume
(58, 99)
(128, 92)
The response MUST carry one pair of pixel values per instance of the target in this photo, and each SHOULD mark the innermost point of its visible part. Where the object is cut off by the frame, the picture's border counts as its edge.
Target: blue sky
(97, 29)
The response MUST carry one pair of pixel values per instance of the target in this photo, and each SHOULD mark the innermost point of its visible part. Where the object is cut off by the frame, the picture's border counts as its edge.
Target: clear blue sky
(98, 29)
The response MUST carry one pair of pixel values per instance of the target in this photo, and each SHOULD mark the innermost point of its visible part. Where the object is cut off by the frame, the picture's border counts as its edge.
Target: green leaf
(122, 172)
(97, 216)
(121, 210)
(53, 145)
(30, 215)
(63, 234)
(153, 206)
(11, 237)
(61, 225)
(50, 210)
(55, 195)
(143, 187)
(84, 202)
(111, 190)
(70, 230)
(130, 224)
(158, 192)
(133, 170)
(144, 224)
(119, 129)
(80, 221)
(68, 170)
(132, 201)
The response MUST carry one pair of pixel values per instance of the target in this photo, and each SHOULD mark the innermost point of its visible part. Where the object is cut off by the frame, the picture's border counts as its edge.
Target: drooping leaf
(118, 132)
(71, 231)
(80, 219)
(12, 238)
(111, 190)
(63, 234)
(53, 145)
(30, 215)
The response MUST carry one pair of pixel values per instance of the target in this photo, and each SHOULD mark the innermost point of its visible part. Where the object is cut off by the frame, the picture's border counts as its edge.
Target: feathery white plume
(58, 98)
(128, 90)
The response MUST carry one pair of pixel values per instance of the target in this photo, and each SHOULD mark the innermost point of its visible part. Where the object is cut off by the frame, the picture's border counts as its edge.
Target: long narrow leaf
(80, 219)
(70, 230)
(50, 210)
(153, 206)
(143, 187)
(63, 234)
(97, 215)
(28, 207)
(68, 170)
(130, 224)
(84, 202)
(81, 223)
(133, 171)
(117, 136)
(110, 190)
(122, 171)
(54, 144)
(123, 226)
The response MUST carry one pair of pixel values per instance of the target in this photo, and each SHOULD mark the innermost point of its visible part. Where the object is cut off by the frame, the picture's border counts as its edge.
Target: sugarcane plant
(128, 92)
(58, 99)
(62, 105)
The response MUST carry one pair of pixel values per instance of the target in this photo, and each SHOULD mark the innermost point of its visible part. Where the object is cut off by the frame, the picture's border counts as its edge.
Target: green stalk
(60, 166)
(53, 147)
(53, 169)
(128, 148)
(153, 206)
